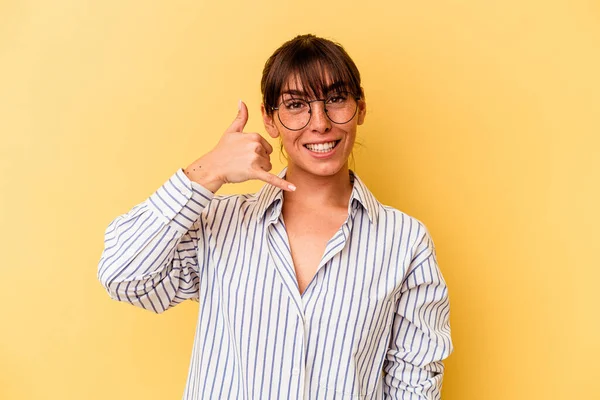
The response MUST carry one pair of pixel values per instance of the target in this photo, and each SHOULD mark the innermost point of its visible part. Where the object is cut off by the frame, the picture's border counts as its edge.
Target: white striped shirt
(373, 323)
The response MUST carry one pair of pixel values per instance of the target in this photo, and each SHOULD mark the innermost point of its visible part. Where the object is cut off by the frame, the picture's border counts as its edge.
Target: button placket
(300, 370)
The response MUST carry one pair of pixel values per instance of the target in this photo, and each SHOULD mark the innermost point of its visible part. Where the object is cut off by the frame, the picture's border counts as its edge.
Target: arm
(150, 257)
(420, 340)
(151, 254)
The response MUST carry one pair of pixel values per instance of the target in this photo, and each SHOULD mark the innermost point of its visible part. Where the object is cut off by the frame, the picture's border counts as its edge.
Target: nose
(319, 121)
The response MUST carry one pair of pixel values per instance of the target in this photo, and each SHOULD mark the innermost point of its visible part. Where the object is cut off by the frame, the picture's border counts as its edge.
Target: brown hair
(310, 59)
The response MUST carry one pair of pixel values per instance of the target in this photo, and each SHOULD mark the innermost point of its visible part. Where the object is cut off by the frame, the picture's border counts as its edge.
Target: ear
(362, 111)
(269, 122)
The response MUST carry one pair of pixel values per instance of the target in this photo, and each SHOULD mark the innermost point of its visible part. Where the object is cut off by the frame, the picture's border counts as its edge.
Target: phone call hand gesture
(238, 157)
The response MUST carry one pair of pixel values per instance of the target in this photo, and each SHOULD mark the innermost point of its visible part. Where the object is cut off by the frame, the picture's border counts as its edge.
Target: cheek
(350, 137)
(289, 140)
(286, 146)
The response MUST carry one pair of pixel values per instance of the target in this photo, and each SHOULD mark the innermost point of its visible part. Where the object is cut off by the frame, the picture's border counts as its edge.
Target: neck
(318, 191)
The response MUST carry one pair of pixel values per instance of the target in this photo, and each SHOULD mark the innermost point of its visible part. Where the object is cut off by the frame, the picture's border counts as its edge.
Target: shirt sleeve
(420, 339)
(152, 254)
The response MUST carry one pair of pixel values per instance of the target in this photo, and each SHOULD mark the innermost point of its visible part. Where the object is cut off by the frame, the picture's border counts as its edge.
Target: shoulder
(231, 202)
(411, 234)
(409, 229)
(388, 212)
(230, 207)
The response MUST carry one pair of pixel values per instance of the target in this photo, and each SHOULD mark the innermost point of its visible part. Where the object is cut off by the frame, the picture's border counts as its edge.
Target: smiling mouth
(322, 147)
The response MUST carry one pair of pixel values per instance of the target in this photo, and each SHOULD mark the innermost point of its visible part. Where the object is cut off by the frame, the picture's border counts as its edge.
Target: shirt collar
(362, 195)
(267, 196)
(270, 195)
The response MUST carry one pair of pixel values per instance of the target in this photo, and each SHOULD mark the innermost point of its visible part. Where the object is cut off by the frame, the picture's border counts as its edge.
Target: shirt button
(295, 371)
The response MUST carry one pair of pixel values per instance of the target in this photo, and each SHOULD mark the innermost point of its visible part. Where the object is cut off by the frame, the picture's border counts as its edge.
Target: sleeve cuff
(180, 200)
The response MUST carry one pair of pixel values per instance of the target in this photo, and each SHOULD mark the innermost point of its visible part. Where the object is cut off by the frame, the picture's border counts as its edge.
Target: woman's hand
(238, 157)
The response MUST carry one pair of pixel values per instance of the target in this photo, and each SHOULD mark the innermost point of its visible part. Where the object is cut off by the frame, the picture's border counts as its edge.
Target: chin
(324, 169)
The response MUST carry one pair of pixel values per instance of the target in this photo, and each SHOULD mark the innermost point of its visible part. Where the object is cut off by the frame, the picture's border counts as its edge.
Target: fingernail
(292, 187)
(240, 105)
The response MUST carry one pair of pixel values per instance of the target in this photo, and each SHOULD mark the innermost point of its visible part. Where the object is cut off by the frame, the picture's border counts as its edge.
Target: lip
(323, 155)
(322, 141)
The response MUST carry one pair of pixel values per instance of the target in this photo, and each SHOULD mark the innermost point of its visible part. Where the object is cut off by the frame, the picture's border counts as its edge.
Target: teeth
(321, 147)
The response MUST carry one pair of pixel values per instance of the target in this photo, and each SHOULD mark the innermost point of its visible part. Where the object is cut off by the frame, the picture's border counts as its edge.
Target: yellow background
(483, 122)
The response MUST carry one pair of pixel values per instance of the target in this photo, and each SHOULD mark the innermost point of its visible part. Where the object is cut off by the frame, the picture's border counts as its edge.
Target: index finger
(263, 142)
(274, 180)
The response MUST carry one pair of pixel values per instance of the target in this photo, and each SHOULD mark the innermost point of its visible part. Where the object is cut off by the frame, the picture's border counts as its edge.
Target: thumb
(240, 120)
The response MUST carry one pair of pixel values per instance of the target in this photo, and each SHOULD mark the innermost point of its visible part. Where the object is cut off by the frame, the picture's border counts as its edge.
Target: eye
(295, 104)
(337, 98)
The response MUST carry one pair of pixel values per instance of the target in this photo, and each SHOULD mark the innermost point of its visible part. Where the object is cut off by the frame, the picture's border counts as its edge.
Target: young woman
(309, 288)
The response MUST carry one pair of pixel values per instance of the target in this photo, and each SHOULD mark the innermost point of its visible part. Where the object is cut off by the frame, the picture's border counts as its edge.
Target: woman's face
(310, 149)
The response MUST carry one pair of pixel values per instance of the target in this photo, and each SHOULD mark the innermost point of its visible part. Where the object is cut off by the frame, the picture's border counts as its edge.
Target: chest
(308, 235)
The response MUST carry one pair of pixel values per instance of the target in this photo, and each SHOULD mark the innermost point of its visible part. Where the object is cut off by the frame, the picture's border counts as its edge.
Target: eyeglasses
(294, 113)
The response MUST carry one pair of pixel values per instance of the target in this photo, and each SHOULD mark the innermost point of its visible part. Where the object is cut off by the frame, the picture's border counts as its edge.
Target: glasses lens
(294, 113)
(341, 107)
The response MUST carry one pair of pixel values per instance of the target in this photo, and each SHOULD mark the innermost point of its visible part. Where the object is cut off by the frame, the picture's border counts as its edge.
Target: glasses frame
(357, 98)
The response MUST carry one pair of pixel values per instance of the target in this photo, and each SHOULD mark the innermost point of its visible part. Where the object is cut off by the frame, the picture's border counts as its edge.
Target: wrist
(202, 174)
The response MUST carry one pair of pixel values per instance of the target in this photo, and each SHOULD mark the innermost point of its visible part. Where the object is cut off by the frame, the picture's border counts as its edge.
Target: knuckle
(257, 163)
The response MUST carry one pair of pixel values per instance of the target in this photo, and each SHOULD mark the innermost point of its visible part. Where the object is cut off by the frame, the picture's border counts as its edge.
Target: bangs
(317, 66)
(316, 79)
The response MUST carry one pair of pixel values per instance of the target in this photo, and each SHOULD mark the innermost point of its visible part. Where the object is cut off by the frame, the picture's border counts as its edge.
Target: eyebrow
(326, 90)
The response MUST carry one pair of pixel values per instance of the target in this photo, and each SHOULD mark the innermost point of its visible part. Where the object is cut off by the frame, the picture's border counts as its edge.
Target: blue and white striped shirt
(372, 323)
